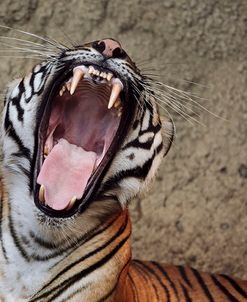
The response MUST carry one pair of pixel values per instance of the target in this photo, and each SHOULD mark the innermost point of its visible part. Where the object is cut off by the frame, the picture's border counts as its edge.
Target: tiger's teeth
(46, 151)
(62, 90)
(72, 201)
(68, 86)
(78, 73)
(42, 193)
(116, 89)
(90, 69)
(109, 76)
(117, 104)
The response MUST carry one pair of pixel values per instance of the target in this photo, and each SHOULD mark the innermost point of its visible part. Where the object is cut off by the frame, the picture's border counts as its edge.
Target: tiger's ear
(168, 133)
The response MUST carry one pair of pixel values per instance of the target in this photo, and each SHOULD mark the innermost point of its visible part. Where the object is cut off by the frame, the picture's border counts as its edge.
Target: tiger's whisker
(174, 101)
(29, 43)
(48, 40)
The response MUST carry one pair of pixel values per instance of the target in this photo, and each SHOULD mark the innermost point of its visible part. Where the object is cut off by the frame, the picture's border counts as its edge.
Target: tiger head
(81, 135)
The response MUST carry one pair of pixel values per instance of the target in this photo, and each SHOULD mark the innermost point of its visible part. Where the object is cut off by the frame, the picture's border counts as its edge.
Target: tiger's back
(152, 281)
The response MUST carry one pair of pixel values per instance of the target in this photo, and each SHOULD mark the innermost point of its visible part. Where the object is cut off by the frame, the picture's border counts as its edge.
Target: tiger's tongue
(65, 173)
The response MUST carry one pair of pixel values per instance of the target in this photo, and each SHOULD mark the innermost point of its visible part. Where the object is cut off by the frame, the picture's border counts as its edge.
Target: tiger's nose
(110, 48)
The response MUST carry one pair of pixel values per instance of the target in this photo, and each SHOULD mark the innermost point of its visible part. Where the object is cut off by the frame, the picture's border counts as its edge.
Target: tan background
(196, 212)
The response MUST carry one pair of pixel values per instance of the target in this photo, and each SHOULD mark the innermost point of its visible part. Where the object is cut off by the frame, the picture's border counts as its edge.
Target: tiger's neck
(96, 263)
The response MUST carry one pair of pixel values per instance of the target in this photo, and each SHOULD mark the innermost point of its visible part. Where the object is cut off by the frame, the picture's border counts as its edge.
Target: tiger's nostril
(118, 53)
(99, 46)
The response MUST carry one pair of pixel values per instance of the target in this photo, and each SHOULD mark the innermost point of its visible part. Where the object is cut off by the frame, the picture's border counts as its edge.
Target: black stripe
(116, 284)
(137, 144)
(1, 231)
(182, 271)
(47, 244)
(235, 285)
(74, 293)
(224, 290)
(151, 271)
(146, 280)
(138, 172)
(186, 294)
(64, 247)
(66, 284)
(202, 285)
(134, 289)
(163, 271)
(23, 169)
(116, 235)
(8, 125)
(16, 239)
(5, 100)
(20, 111)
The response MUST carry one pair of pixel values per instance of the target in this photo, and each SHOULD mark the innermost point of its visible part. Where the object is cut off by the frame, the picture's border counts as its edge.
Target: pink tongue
(65, 173)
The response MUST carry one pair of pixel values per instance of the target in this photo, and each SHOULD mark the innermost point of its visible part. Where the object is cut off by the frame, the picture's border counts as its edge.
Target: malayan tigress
(81, 136)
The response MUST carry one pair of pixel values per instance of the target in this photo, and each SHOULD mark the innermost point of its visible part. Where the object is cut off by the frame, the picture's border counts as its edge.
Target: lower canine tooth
(46, 151)
(42, 193)
(72, 201)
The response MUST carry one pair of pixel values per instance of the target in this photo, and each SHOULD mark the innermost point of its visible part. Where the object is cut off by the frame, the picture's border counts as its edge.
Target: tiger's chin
(84, 118)
(80, 224)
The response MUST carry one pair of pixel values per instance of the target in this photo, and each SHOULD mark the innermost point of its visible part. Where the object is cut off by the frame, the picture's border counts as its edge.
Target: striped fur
(87, 257)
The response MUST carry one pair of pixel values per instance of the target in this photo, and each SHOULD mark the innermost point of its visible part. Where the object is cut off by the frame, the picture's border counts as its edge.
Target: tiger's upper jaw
(85, 118)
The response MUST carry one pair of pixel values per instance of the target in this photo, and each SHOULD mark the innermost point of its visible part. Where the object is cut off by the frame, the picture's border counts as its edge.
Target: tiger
(82, 136)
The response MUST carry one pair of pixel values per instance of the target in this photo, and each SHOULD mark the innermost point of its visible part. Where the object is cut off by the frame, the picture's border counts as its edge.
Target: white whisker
(28, 50)
(30, 43)
(48, 40)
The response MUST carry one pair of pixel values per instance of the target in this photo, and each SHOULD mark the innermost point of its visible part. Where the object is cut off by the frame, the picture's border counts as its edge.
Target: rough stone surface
(196, 210)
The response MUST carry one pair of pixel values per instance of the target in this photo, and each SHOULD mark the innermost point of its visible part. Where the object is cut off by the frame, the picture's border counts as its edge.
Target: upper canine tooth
(77, 75)
(117, 87)
(42, 193)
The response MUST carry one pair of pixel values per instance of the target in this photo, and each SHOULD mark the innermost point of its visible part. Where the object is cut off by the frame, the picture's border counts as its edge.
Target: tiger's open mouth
(83, 124)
